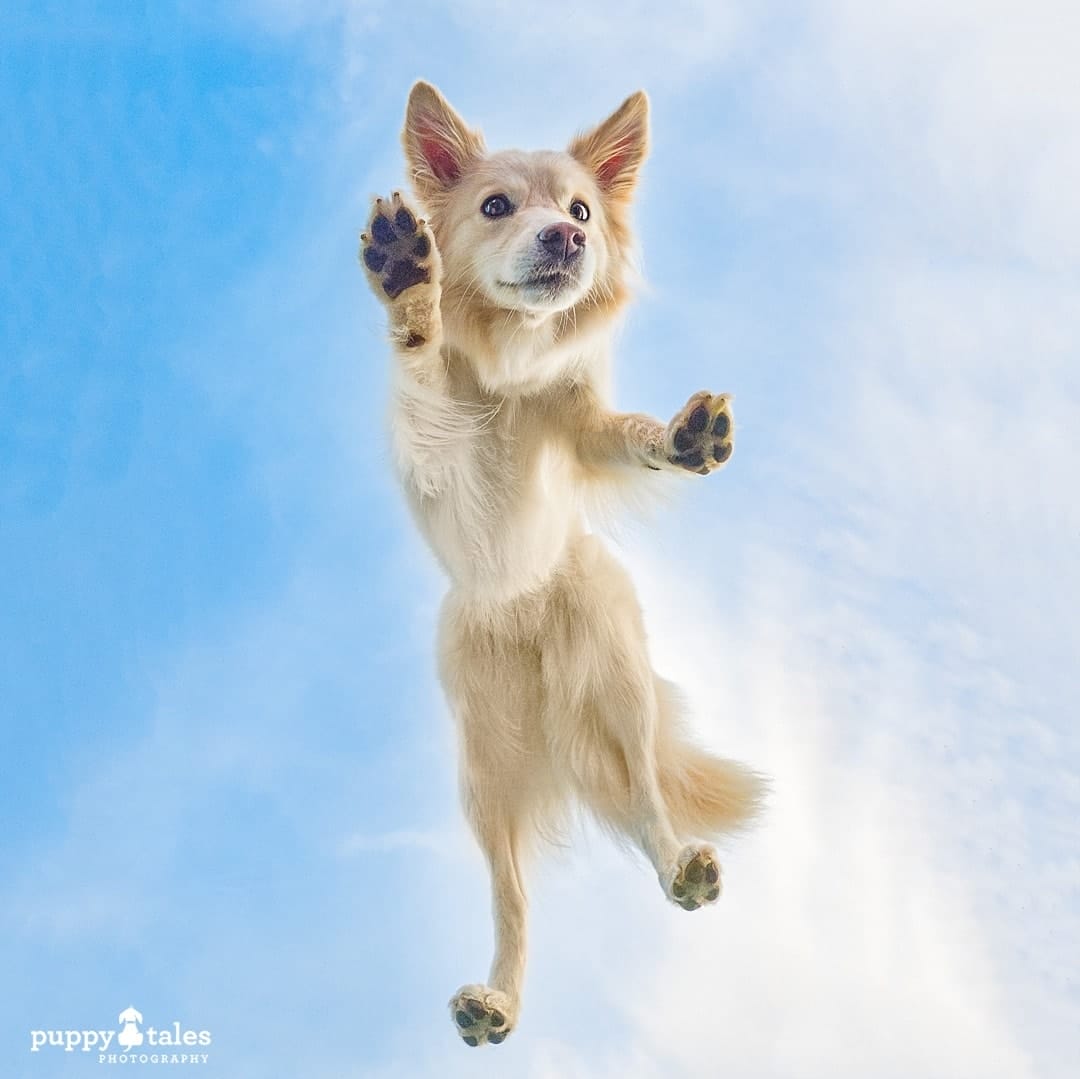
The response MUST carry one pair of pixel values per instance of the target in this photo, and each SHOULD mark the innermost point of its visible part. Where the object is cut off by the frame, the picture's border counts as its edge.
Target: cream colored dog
(502, 303)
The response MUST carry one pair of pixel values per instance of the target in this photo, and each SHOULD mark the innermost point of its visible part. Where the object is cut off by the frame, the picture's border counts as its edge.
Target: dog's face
(532, 232)
(526, 230)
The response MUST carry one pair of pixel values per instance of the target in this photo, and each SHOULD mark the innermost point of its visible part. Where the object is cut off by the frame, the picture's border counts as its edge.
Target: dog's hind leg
(487, 1013)
(603, 717)
(493, 685)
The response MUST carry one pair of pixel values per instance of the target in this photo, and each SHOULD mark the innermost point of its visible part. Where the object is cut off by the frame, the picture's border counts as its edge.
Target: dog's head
(538, 233)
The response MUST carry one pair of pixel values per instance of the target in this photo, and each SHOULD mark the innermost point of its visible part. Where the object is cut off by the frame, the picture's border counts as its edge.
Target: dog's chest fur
(490, 478)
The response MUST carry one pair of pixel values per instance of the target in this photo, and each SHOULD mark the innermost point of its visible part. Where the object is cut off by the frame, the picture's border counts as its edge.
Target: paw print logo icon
(130, 1034)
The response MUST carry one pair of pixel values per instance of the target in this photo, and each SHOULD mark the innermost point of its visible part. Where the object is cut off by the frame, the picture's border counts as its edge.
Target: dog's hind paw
(481, 1015)
(695, 881)
(701, 437)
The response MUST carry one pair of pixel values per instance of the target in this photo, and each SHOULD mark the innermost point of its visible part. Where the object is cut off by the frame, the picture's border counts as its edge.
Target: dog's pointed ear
(614, 150)
(439, 145)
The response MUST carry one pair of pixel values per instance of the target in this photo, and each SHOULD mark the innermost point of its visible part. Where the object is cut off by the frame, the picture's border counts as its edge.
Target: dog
(502, 296)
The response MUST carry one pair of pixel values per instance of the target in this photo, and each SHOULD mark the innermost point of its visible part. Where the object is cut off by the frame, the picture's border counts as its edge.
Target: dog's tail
(705, 795)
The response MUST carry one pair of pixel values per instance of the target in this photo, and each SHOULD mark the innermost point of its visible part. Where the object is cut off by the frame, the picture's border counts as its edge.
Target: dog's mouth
(543, 281)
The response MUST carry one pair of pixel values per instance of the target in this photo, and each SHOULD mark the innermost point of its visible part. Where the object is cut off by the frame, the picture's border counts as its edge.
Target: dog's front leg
(700, 438)
(404, 270)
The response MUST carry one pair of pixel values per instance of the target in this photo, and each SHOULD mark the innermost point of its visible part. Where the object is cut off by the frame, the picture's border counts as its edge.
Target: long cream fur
(500, 432)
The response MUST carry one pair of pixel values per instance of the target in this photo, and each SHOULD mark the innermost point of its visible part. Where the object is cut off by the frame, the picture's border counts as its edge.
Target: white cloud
(961, 112)
(847, 942)
(608, 43)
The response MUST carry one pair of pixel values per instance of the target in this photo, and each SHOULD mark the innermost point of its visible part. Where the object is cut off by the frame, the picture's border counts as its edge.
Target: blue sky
(227, 769)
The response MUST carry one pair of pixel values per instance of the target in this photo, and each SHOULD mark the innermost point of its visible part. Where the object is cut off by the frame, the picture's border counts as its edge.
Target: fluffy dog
(502, 300)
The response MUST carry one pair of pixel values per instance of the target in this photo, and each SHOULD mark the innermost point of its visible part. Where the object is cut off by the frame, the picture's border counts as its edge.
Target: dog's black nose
(562, 240)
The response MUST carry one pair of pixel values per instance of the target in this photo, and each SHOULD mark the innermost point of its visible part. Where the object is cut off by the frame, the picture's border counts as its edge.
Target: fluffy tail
(705, 795)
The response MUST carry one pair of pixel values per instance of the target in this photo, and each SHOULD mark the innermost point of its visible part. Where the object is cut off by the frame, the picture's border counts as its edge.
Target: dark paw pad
(401, 275)
(698, 420)
(684, 440)
(692, 461)
(382, 232)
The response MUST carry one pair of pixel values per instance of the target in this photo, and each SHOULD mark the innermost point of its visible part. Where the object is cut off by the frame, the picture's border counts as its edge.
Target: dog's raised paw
(701, 437)
(696, 880)
(481, 1016)
(397, 247)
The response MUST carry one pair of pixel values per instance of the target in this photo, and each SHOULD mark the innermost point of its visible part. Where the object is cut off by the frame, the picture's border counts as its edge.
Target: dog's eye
(579, 210)
(496, 206)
